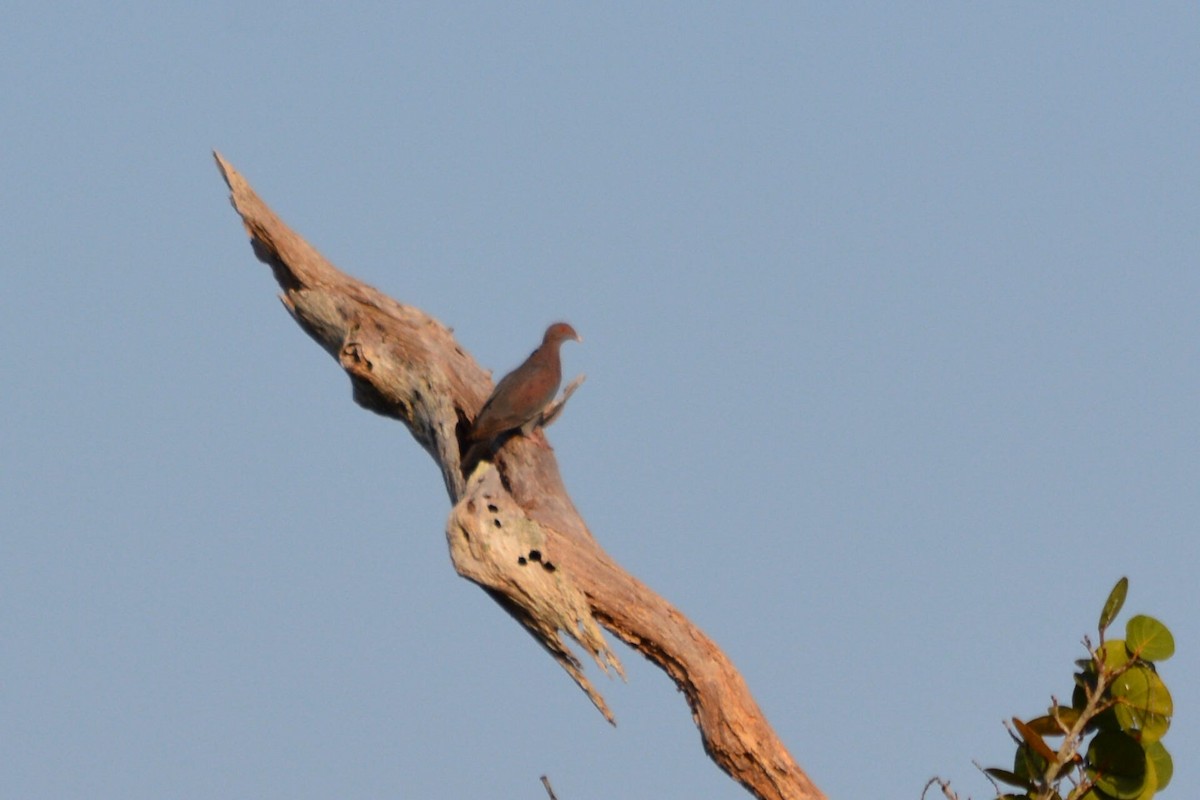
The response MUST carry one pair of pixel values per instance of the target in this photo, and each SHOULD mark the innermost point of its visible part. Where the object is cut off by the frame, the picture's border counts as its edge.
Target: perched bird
(521, 395)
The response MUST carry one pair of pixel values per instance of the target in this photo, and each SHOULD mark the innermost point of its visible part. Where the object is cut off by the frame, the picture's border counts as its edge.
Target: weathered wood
(513, 529)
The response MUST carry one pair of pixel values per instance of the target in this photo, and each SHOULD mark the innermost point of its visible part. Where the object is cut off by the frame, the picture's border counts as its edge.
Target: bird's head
(560, 332)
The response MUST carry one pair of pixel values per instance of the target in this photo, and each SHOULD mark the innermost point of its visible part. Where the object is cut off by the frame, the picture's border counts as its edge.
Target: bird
(522, 395)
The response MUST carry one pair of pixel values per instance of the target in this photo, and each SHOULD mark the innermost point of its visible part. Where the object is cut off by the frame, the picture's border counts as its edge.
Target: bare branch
(513, 529)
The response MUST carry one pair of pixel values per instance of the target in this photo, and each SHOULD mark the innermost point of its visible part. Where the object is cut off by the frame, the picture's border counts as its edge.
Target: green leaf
(1150, 784)
(1027, 764)
(1004, 776)
(1147, 638)
(1113, 654)
(1112, 606)
(1143, 703)
(1067, 716)
(1117, 765)
(1106, 720)
(1083, 682)
(1161, 759)
(1153, 727)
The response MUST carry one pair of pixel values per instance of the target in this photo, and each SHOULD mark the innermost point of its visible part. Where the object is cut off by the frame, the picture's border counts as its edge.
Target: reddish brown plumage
(521, 395)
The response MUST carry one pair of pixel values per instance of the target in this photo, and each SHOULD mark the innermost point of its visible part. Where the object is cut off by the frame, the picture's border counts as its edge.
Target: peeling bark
(513, 529)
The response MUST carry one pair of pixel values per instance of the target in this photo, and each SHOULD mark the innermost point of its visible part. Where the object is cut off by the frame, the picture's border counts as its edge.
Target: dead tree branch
(513, 529)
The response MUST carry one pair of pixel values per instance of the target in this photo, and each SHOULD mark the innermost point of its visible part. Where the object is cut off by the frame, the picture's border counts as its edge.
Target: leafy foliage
(1120, 702)
(1120, 698)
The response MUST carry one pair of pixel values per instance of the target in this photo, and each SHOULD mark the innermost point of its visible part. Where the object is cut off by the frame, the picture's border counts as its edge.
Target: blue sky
(892, 351)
